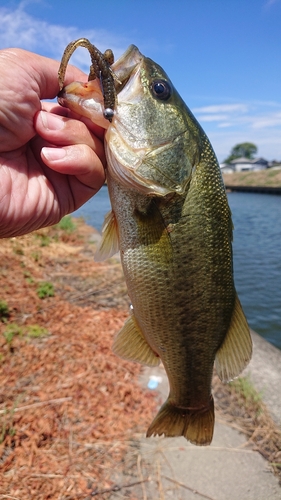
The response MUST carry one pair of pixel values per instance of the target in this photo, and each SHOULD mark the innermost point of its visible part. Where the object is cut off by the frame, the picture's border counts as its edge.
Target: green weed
(44, 240)
(45, 289)
(18, 250)
(31, 331)
(28, 277)
(4, 311)
(244, 387)
(36, 331)
(11, 331)
(6, 425)
(36, 256)
(67, 224)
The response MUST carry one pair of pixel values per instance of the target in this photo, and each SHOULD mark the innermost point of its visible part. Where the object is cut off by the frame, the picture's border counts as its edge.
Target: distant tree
(245, 150)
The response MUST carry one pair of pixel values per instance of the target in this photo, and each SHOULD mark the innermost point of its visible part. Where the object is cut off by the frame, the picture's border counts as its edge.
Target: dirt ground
(71, 412)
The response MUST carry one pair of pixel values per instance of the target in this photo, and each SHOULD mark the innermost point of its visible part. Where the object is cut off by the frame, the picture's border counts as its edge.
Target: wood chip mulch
(68, 405)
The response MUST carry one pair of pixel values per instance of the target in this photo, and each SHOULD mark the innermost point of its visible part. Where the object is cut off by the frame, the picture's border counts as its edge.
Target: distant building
(244, 164)
(274, 164)
(226, 168)
(259, 164)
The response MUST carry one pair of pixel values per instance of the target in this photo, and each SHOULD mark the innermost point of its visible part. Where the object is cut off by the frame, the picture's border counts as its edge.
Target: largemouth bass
(171, 221)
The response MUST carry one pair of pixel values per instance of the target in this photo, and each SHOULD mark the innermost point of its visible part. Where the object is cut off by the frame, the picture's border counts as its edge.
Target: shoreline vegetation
(262, 181)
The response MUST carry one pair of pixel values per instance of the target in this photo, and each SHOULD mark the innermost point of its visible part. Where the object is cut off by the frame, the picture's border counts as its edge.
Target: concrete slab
(223, 471)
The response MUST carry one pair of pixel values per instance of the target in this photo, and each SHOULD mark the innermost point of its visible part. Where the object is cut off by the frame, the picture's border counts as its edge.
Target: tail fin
(197, 426)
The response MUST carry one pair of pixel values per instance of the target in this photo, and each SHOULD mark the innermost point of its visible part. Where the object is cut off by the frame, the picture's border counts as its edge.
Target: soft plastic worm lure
(100, 68)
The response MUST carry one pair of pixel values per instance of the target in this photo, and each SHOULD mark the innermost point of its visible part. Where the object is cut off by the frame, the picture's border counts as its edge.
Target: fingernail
(52, 122)
(53, 154)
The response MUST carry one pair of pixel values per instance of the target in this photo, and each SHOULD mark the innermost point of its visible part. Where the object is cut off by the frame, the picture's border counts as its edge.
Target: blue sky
(223, 56)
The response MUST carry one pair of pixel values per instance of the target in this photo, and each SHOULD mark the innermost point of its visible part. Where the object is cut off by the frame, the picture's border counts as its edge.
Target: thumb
(39, 71)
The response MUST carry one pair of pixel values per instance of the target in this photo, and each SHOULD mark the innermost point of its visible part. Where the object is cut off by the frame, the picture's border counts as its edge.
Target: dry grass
(268, 177)
(242, 407)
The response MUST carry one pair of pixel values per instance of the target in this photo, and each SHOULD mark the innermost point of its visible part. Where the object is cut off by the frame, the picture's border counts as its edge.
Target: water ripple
(257, 263)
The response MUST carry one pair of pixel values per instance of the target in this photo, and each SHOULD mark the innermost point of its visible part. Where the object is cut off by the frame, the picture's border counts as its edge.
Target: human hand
(50, 162)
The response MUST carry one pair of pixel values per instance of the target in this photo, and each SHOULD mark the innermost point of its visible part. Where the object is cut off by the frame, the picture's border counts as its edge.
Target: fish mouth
(125, 65)
(85, 99)
(92, 88)
(61, 98)
(122, 70)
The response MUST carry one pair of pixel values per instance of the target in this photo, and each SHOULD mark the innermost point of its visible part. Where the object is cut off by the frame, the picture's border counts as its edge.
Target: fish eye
(161, 89)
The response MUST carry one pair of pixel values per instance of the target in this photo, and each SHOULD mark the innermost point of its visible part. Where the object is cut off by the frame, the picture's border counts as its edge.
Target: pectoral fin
(236, 350)
(109, 244)
(130, 344)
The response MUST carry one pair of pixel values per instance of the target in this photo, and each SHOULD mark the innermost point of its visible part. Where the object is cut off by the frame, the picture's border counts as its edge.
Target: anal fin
(130, 344)
(236, 351)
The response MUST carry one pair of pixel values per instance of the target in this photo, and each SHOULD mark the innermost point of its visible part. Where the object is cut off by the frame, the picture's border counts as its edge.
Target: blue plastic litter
(153, 382)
